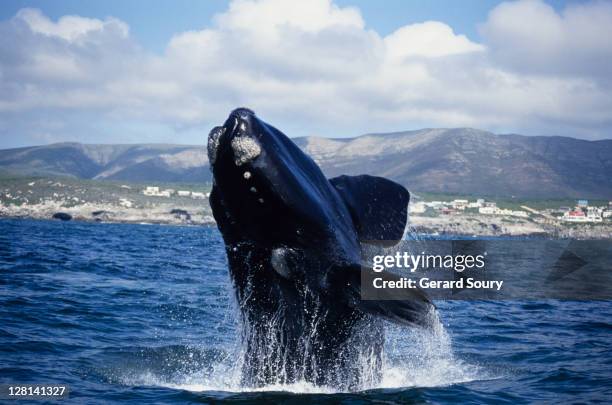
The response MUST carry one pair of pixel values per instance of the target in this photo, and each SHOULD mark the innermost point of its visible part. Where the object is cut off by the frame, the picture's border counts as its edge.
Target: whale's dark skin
(293, 245)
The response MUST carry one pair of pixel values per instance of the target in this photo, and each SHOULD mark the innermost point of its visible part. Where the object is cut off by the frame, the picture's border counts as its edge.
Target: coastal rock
(62, 216)
(181, 214)
(102, 215)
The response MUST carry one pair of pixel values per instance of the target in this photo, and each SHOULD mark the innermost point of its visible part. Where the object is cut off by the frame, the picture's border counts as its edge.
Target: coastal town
(187, 204)
(154, 191)
(480, 217)
(582, 212)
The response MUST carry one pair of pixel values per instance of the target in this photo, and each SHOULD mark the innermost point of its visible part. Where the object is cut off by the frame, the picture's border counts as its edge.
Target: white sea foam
(412, 358)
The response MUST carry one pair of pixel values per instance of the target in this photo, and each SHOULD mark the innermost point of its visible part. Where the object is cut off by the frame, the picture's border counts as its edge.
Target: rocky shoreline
(167, 214)
(114, 202)
(490, 225)
(173, 214)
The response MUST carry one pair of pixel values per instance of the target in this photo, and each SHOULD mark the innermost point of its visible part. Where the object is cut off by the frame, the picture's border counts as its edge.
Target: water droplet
(247, 175)
(253, 190)
(261, 200)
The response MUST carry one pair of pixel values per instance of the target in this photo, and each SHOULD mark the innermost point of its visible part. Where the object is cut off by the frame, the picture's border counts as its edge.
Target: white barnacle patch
(247, 175)
(245, 149)
(213, 143)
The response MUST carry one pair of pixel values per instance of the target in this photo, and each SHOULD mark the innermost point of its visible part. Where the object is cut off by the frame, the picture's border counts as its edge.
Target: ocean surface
(145, 314)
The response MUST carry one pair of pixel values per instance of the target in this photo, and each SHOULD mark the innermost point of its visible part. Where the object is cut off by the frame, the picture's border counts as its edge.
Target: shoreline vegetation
(187, 204)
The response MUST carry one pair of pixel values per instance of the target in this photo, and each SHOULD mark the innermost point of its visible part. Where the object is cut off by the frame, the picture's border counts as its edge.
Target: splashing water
(411, 358)
(424, 358)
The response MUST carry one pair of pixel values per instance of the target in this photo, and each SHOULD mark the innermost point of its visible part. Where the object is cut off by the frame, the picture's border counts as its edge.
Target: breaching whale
(292, 240)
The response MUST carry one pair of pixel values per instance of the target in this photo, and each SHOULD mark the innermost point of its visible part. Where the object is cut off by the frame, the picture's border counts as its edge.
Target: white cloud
(531, 37)
(428, 39)
(310, 67)
(70, 28)
(266, 18)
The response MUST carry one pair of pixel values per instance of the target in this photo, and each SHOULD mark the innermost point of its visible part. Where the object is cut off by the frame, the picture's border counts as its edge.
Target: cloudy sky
(138, 71)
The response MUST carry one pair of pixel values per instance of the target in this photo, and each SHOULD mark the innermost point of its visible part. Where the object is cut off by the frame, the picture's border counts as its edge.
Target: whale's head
(271, 191)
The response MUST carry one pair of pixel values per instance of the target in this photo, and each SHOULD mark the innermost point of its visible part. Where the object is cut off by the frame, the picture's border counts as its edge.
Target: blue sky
(154, 22)
(166, 71)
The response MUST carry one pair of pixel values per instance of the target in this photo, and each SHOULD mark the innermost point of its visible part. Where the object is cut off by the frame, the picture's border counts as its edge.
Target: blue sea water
(145, 314)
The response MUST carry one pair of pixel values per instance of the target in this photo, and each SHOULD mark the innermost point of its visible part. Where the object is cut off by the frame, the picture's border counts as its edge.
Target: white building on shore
(500, 211)
(154, 191)
(585, 213)
(459, 204)
(417, 208)
(150, 190)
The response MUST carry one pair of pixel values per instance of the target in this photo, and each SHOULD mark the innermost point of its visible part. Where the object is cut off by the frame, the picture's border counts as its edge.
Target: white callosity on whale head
(213, 143)
(245, 149)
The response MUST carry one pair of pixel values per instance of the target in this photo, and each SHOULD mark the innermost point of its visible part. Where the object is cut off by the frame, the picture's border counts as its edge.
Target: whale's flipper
(378, 206)
(409, 306)
(406, 306)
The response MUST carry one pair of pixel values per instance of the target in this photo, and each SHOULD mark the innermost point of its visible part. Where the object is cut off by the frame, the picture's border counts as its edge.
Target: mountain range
(458, 161)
